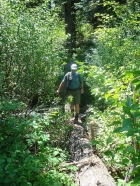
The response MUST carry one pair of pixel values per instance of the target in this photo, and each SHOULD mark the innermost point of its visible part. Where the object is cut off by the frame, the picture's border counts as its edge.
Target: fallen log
(91, 170)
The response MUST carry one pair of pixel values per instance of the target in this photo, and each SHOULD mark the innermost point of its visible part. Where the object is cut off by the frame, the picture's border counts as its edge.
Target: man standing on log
(74, 84)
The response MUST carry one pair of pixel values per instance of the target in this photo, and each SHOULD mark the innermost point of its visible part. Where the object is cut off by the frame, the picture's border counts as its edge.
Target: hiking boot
(72, 112)
(76, 118)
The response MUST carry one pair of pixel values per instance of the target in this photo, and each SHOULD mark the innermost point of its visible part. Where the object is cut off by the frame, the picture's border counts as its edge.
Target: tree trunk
(70, 27)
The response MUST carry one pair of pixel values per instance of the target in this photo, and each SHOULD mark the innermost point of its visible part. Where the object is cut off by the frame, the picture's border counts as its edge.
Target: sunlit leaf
(125, 161)
(129, 102)
(136, 114)
(115, 96)
(109, 153)
(109, 140)
(116, 123)
(130, 149)
(126, 110)
(118, 129)
(138, 87)
(135, 81)
(136, 72)
(134, 106)
(115, 113)
(127, 122)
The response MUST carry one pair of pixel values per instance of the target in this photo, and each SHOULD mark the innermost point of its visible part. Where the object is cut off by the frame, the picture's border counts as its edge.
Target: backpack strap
(68, 81)
(68, 75)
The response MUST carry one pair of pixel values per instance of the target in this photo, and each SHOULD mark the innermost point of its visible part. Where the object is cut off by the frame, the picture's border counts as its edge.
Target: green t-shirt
(72, 80)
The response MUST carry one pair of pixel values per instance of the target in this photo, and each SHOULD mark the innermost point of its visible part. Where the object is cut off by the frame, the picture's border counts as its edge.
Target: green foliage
(32, 50)
(27, 153)
(114, 78)
(120, 123)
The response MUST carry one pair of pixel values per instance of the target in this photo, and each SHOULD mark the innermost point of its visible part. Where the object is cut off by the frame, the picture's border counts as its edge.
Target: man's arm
(82, 85)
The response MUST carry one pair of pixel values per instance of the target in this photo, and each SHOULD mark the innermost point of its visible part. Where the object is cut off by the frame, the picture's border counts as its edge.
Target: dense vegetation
(33, 52)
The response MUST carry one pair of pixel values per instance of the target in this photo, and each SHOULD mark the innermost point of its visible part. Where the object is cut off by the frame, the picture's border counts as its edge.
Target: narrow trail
(91, 170)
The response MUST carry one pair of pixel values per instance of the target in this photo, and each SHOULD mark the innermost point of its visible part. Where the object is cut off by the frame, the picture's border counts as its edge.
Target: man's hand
(59, 89)
(82, 91)
(57, 93)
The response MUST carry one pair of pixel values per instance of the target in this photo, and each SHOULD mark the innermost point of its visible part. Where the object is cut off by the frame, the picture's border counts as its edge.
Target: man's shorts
(76, 96)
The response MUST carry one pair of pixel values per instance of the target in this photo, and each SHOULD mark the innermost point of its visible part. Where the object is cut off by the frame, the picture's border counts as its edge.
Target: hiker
(67, 68)
(74, 84)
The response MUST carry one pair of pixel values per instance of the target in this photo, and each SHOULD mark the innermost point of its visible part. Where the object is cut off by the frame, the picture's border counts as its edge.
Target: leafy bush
(28, 157)
(114, 78)
(119, 125)
(32, 51)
